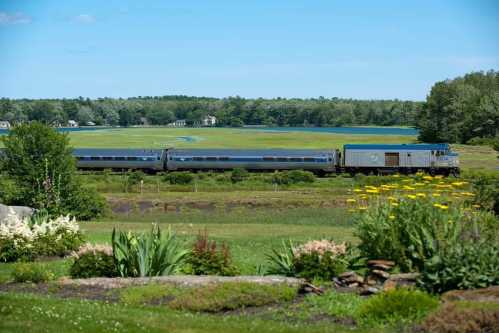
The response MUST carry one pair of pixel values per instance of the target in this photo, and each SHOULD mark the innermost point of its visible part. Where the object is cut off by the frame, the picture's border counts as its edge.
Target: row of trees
(462, 109)
(232, 111)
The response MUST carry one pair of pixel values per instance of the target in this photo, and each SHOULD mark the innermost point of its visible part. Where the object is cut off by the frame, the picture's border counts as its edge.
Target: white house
(178, 123)
(90, 123)
(4, 124)
(209, 121)
(72, 123)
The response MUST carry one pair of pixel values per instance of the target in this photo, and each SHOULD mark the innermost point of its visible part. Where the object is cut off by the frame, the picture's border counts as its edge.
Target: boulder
(20, 211)
(490, 294)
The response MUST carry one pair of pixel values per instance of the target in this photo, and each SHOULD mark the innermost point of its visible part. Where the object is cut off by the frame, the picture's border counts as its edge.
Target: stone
(369, 291)
(405, 276)
(353, 285)
(354, 279)
(380, 273)
(389, 285)
(382, 267)
(346, 275)
(381, 262)
(370, 281)
(20, 211)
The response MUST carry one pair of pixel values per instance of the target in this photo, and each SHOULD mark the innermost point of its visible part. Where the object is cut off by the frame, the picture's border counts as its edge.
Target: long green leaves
(281, 261)
(151, 254)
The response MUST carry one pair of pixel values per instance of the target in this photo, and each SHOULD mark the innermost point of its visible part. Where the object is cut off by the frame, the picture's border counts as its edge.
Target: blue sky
(258, 48)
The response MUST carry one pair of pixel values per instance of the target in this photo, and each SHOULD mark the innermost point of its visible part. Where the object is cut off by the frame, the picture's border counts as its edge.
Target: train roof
(116, 152)
(420, 146)
(249, 152)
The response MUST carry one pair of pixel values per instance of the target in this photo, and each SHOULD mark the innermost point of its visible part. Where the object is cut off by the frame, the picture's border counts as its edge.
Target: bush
(413, 231)
(320, 260)
(26, 240)
(32, 272)
(452, 318)
(292, 177)
(179, 178)
(238, 175)
(93, 261)
(397, 306)
(486, 188)
(151, 254)
(466, 266)
(207, 258)
(40, 161)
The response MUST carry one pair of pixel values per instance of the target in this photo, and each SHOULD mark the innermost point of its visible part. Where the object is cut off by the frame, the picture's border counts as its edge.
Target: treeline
(462, 110)
(231, 111)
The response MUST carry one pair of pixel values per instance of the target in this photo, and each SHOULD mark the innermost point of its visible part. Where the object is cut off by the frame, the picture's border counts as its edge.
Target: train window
(196, 158)
(119, 158)
(95, 158)
(282, 159)
(296, 159)
(223, 158)
(309, 159)
(330, 159)
(131, 158)
(211, 158)
(107, 158)
(80, 158)
(268, 159)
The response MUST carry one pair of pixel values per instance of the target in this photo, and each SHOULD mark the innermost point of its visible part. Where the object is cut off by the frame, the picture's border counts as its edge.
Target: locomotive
(353, 159)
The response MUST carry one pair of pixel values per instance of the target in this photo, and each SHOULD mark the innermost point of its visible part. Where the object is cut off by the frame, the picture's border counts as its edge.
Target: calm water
(345, 130)
(340, 130)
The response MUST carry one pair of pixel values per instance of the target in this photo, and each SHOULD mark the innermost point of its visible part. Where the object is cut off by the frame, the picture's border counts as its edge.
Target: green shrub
(207, 258)
(466, 266)
(32, 272)
(238, 175)
(151, 254)
(179, 178)
(413, 231)
(486, 188)
(93, 261)
(8, 190)
(396, 306)
(314, 266)
(301, 176)
(281, 260)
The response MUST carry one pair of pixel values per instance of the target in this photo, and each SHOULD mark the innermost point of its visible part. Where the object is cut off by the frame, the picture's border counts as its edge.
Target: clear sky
(254, 48)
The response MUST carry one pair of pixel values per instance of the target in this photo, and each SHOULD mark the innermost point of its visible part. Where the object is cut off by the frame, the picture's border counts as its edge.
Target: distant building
(210, 121)
(4, 124)
(144, 121)
(90, 123)
(178, 123)
(72, 123)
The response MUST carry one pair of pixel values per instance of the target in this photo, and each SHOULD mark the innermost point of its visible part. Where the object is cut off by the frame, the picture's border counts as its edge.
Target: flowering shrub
(21, 240)
(32, 272)
(320, 259)
(93, 261)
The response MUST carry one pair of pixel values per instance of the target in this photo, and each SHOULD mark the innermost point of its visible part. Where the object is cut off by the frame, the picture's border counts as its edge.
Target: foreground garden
(389, 259)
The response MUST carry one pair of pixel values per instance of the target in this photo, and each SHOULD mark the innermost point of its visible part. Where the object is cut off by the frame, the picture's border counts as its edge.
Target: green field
(472, 156)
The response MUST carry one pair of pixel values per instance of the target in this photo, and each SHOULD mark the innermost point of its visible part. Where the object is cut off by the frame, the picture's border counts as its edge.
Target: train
(353, 159)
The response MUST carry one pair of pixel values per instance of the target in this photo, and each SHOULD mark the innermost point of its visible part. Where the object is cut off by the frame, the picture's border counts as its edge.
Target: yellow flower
(371, 187)
(408, 188)
(439, 177)
(419, 184)
(351, 200)
(437, 205)
(394, 204)
(362, 208)
(435, 195)
(422, 195)
(406, 180)
(391, 217)
(458, 183)
(372, 191)
(444, 207)
(476, 206)
(428, 177)
(396, 176)
(357, 190)
(410, 196)
(392, 199)
(351, 210)
(363, 196)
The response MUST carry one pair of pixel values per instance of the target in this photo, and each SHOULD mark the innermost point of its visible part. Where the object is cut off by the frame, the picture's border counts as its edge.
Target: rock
(490, 294)
(354, 279)
(353, 285)
(388, 263)
(405, 276)
(380, 273)
(389, 285)
(370, 281)
(369, 291)
(382, 267)
(20, 211)
(346, 275)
